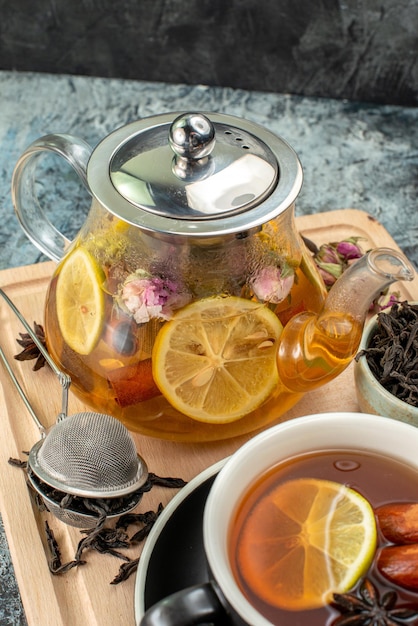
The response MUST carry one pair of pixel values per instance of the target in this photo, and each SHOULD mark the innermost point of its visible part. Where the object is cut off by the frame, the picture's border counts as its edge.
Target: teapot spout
(315, 348)
(365, 280)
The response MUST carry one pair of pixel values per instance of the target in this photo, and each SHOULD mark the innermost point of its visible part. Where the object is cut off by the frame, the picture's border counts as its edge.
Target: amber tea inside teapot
(188, 306)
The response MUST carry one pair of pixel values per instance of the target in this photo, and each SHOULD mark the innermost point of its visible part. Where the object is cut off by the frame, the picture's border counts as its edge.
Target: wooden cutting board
(85, 595)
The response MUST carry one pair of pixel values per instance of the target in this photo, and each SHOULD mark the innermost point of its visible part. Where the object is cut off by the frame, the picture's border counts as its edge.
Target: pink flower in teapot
(146, 297)
(272, 284)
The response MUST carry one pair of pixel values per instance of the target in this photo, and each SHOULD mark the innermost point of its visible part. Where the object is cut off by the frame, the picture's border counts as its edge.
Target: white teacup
(221, 601)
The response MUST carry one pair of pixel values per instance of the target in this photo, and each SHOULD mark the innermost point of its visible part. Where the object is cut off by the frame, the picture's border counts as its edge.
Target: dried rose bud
(332, 259)
(330, 272)
(349, 249)
(145, 296)
(271, 284)
(327, 254)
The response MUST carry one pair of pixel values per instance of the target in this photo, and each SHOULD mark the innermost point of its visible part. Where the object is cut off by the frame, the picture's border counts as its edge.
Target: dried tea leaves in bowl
(392, 353)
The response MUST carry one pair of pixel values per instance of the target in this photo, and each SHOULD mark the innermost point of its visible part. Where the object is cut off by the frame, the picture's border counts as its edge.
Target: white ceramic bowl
(371, 395)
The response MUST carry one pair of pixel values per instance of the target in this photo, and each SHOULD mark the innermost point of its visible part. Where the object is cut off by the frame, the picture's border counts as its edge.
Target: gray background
(356, 49)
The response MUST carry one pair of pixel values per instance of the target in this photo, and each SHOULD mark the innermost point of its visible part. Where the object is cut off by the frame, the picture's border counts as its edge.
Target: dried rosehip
(399, 522)
(133, 383)
(399, 564)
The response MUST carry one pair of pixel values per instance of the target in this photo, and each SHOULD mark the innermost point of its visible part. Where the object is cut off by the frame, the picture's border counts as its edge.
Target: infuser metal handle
(64, 379)
(22, 393)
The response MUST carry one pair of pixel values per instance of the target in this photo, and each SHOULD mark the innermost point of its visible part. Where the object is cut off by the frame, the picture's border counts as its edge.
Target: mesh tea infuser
(89, 456)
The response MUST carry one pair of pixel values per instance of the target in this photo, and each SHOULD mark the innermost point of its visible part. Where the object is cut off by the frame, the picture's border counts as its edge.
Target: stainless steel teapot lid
(193, 174)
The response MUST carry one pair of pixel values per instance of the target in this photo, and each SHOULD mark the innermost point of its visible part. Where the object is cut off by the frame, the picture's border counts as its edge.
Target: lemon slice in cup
(80, 301)
(305, 540)
(215, 361)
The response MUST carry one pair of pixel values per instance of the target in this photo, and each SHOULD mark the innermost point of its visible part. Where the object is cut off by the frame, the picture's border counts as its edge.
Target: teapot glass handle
(32, 218)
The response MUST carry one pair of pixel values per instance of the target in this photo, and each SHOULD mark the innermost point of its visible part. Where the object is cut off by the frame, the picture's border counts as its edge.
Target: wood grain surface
(85, 595)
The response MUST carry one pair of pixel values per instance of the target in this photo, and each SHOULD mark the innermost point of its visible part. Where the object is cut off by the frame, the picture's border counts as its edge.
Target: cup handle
(33, 220)
(195, 605)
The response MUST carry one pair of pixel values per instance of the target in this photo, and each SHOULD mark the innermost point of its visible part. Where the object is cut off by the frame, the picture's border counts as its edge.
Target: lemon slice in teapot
(80, 301)
(215, 361)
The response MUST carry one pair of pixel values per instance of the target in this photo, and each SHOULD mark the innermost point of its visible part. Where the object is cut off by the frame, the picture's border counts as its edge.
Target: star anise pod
(30, 349)
(367, 608)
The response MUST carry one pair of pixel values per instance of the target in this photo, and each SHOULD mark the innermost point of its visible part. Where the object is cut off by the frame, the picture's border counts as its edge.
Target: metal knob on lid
(192, 139)
(192, 136)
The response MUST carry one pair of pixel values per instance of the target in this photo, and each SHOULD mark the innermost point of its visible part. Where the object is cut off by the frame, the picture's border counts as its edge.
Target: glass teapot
(188, 306)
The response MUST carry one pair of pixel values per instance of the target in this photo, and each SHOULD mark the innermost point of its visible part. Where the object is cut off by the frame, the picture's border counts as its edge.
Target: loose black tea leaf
(18, 463)
(125, 570)
(143, 533)
(55, 564)
(108, 539)
(392, 354)
(53, 547)
(170, 483)
(114, 537)
(105, 549)
(160, 481)
(90, 539)
(102, 540)
(65, 503)
(138, 518)
(149, 520)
